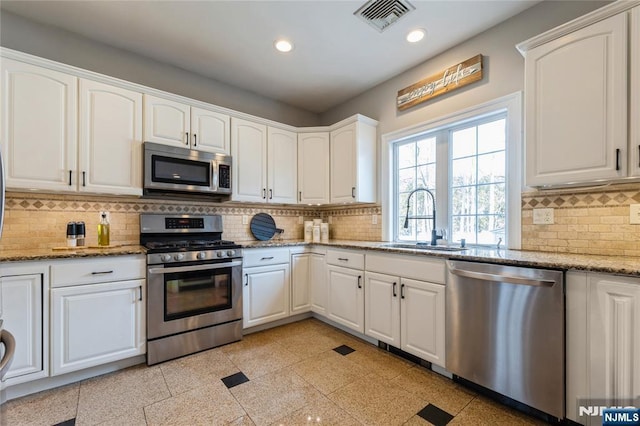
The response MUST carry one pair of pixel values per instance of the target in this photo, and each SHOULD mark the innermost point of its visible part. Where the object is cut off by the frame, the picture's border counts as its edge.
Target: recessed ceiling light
(283, 45)
(415, 35)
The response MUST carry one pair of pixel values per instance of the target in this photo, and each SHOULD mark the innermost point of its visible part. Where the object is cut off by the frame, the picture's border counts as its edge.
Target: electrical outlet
(543, 216)
(245, 219)
(374, 219)
(634, 214)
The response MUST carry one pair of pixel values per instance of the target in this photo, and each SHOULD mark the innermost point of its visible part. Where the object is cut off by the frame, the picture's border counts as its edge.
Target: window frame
(511, 107)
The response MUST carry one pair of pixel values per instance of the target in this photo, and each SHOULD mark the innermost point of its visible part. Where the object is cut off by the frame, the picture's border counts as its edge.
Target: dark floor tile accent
(71, 422)
(435, 415)
(235, 380)
(344, 350)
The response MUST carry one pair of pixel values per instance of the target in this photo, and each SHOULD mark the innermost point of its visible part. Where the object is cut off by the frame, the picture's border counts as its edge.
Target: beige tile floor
(294, 378)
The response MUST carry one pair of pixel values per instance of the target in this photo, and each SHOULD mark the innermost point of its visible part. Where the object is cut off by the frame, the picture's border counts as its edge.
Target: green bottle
(103, 230)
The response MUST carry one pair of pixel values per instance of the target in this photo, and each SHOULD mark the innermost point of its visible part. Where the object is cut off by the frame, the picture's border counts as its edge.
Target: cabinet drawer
(259, 257)
(348, 259)
(420, 268)
(88, 271)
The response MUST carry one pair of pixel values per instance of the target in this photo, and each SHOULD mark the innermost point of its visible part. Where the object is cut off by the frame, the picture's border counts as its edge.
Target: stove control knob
(201, 255)
(179, 256)
(165, 257)
(231, 253)
(220, 254)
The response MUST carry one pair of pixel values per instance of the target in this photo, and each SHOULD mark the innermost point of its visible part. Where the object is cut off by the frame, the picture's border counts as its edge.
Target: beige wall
(62, 46)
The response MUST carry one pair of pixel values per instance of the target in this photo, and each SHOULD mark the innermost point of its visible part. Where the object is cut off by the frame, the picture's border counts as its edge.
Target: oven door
(184, 298)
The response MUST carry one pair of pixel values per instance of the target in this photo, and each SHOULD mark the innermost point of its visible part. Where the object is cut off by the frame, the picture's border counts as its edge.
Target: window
(464, 162)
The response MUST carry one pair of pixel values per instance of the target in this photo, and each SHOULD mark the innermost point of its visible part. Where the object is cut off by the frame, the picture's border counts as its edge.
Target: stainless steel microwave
(169, 169)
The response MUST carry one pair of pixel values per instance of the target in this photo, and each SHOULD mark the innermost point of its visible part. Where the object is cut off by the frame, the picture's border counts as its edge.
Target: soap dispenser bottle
(103, 230)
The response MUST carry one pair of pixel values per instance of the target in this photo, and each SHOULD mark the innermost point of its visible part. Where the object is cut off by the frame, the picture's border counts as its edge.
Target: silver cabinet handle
(300, 196)
(394, 290)
(84, 179)
(271, 194)
(187, 140)
(401, 291)
(344, 259)
(9, 342)
(267, 258)
(246, 282)
(140, 298)
(69, 177)
(204, 267)
(102, 273)
(353, 192)
(509, 279)
(264, 193)
(195, 140)
(359, 281)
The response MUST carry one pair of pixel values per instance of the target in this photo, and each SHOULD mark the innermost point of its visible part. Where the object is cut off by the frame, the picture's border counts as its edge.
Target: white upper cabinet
(313, 168)
(353, 163)
(39, 116)
(211, 131)
(634, 108)
(110, 133)
(249, 153)
(576, 102)
(264, 163)
(174, 123)
(282, 166)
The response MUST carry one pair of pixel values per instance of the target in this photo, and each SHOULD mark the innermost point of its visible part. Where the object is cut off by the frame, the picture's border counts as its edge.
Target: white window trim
(512, 105)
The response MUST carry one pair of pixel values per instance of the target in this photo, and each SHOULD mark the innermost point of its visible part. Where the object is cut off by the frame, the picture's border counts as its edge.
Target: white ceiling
(336, 55)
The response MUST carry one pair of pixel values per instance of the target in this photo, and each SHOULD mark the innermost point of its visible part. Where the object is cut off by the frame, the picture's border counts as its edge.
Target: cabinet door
(318, 283)
(346, 297)
(343, 164)
(22, 315)
(634, 99)
(313, 168)
(614, 334)
(576, 106)
(300, 274)
(249, 152)
(110, 133)
(282, 175)
(382, 307)
(211, 131)
(265, 294)
(96, 324)
(39, 127)
(166, 122)
(422, 320)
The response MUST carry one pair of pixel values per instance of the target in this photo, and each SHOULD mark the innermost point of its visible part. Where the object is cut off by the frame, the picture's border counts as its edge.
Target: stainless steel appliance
(194, 285)
(169, 169)
(505, 331)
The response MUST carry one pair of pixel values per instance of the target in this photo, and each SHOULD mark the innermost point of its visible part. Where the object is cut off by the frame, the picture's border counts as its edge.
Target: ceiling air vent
(380, 14)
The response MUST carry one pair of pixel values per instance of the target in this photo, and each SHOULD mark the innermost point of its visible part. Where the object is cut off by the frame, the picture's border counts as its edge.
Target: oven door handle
(195, 267)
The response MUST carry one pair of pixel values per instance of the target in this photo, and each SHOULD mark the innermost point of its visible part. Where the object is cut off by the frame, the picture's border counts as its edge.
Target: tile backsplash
(36, 220)
(588, 221)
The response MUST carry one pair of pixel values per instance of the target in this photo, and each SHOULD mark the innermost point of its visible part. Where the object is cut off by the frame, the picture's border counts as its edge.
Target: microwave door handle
(214, 175)
(161, 270)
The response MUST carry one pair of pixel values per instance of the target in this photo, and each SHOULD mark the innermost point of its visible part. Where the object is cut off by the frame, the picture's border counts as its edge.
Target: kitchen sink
(422, 247)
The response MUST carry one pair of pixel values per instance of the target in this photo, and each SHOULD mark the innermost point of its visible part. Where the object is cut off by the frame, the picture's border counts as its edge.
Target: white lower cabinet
(602, 342)
(405, 312)
(265, 294)
(300, 283)
(346, 297)
(25, 317)
(96, 323)
(318, 283)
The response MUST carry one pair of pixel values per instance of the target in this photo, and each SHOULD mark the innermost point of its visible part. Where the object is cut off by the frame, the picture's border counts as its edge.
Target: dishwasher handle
(9, 342)
(509, 279)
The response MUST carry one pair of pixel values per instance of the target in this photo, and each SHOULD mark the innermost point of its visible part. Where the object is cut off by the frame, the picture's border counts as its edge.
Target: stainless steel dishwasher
(505, 331)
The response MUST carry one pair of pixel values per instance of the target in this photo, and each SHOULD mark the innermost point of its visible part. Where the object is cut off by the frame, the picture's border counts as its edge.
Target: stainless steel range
(194, 285)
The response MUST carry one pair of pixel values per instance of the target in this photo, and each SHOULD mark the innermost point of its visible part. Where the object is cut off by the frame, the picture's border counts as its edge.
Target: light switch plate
(634, 214)
(374, 219)
(543, 216)
(245, 219)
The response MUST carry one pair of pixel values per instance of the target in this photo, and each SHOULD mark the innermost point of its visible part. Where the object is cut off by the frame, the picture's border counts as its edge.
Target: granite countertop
(18, 255)
(623, 265)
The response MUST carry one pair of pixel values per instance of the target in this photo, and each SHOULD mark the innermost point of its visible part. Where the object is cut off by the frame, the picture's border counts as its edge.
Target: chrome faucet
(434, 234)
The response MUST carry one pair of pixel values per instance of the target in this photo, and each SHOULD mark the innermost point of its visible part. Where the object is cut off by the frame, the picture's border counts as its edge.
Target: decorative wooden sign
(452, 78)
